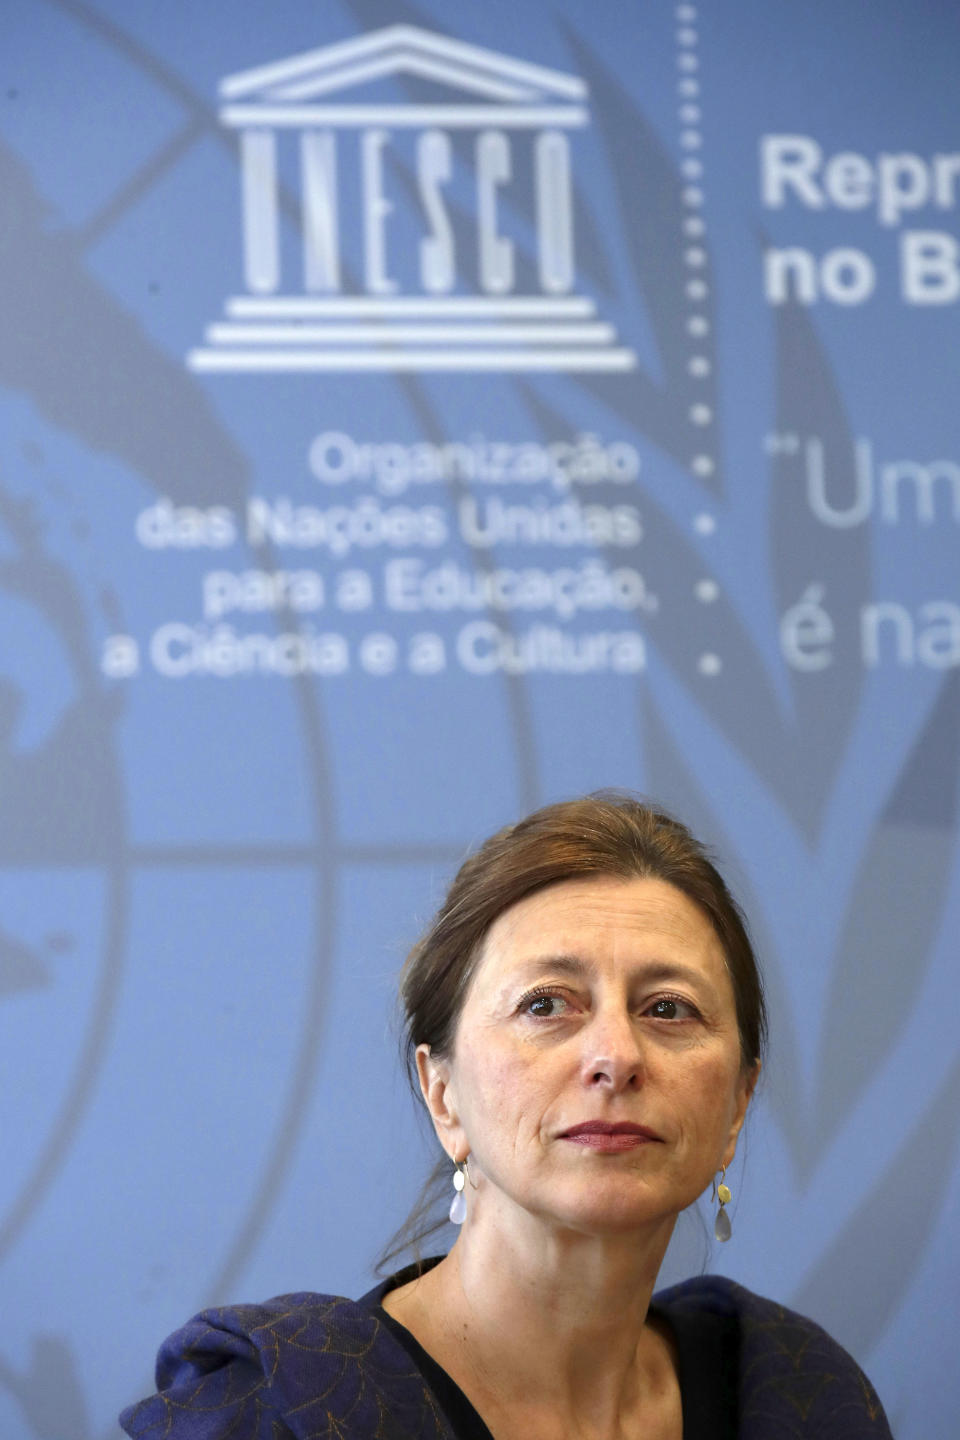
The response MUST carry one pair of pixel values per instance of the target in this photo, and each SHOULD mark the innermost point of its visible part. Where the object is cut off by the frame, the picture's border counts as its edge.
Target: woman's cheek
(511, 1091)
(707, 1094)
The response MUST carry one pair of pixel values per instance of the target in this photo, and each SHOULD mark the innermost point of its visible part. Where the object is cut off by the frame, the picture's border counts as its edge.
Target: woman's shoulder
(297, 1365)
(792, 1372)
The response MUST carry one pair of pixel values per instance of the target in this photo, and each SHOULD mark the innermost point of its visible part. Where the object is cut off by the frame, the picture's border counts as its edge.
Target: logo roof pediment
(403, 51)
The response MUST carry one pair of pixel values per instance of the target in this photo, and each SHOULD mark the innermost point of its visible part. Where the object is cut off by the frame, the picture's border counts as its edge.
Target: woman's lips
(599, 1135)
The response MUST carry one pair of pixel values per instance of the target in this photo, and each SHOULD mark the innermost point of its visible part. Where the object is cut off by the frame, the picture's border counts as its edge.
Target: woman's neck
(542, 1325)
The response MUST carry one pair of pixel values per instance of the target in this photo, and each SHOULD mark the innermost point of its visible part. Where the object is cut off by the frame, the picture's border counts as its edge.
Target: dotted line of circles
(696, 287)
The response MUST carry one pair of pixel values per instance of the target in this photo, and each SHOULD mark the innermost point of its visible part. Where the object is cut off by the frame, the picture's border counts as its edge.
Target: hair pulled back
(610, 833)
(607, 834)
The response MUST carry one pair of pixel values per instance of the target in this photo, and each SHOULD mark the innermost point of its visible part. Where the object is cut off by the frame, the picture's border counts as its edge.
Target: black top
(708, 1346)
(322, 1367)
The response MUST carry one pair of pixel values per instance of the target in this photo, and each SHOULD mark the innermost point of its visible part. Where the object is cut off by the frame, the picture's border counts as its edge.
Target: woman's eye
(670, 1009)
(545, 1007)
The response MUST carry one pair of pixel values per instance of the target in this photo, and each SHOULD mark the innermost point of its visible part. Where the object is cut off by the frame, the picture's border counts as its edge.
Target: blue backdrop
(411, 414)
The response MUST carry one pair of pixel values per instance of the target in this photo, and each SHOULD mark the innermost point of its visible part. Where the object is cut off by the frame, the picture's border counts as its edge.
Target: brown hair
(610, 833)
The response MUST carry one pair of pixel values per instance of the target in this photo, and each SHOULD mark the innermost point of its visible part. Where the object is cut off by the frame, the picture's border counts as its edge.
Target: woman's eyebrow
(560, 964)
(527, 972)
(577, 966)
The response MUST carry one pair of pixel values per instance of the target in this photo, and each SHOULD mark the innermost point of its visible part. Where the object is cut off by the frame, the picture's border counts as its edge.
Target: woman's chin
(610, 1214)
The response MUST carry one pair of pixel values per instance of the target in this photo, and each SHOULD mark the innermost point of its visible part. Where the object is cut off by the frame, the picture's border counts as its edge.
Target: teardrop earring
(458, 1205)
(722, 1228)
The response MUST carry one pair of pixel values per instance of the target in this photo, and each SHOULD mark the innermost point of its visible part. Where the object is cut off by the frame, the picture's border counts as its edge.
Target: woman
(585, 1020)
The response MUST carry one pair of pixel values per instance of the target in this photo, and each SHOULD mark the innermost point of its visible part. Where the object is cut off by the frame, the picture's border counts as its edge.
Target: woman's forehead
(599, 914)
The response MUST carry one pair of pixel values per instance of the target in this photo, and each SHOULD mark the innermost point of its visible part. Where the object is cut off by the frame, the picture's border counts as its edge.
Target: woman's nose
(612, 1057)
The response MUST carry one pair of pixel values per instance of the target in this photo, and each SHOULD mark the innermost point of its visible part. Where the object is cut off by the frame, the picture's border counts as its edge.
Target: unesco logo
(434, 234)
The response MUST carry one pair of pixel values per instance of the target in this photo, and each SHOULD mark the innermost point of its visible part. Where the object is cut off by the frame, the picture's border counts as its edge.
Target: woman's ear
(746, 1084)
(437, 1089)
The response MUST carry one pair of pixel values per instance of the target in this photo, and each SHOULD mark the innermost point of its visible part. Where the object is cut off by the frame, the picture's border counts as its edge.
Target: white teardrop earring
(458, 1205)
(722, 1228)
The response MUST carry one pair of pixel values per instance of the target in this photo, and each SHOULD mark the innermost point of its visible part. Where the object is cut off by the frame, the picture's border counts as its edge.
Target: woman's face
(596, 1077)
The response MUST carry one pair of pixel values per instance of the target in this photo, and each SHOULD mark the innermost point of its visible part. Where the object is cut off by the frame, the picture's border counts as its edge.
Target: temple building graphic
(383, 233)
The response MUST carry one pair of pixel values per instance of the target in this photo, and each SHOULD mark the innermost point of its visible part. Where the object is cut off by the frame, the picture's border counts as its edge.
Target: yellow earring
(722, 1228)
